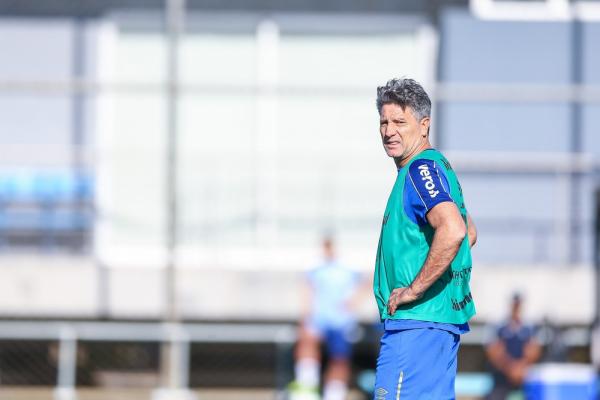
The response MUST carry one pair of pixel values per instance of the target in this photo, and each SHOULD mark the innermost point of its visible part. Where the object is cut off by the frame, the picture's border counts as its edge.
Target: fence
(77, 357)
(70, 355)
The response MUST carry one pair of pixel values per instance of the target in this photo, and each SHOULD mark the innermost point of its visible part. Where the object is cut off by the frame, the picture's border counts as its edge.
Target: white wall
(69, 287)
(278, 136)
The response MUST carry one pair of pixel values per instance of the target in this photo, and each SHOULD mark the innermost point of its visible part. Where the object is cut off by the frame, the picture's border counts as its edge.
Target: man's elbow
(457, 231)
(446, 218)
(472, 231)
(472, 235)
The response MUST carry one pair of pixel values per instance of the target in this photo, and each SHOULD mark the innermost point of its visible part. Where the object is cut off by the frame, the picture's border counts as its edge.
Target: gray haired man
(423, 264)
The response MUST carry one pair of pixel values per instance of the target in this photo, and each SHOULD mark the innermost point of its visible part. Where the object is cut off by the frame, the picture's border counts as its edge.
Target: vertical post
(67, 365)
(78, 131)
(175, 12)
(184, 362)
(596, 251)
(267, 38)
(440, 100)
(595, 333)
(174, 359)
(180, 357)
(561, 228)
(175, 364)
(576, 142)
(106, 47)
(430, 64)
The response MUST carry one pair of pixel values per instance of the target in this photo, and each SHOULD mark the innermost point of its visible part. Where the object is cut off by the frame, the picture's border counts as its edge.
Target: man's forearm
(449, 232)
(496, 353)
(532, 352)
(446, 243)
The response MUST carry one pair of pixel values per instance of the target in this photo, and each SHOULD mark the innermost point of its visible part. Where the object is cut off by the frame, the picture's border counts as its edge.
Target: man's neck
(402, 161)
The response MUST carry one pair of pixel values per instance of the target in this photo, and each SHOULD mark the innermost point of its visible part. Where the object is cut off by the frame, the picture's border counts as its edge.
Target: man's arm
(450, 231)
(471, 230)
(362, 291)
(518, 368)
(532, 351)
(513, 369)
(306, 298)
(498, 357)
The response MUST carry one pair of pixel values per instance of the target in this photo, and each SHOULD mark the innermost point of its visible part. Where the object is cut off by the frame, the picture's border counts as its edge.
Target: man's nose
(389, 131)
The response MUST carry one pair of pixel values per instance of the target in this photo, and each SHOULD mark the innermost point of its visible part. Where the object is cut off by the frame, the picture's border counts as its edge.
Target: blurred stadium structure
(144, 178)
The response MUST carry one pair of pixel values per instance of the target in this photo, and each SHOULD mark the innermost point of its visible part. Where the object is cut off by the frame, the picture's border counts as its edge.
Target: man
(512, 351)
(329, 319)
(423, 264)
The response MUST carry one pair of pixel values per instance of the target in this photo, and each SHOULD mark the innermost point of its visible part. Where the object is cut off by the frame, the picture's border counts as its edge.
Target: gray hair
(406, 93)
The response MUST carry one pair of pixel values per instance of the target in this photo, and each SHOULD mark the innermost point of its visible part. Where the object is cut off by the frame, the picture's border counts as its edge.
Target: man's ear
(425, 122)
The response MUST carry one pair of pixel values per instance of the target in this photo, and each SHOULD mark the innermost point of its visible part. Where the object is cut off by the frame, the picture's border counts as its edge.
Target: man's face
(401, 132)
(515, 311)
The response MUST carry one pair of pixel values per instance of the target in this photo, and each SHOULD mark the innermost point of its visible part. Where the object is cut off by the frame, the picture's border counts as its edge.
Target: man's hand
(400, 296)
(516, 372)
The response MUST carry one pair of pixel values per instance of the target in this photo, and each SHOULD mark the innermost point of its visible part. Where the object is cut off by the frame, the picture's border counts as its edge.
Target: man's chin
(394, 154)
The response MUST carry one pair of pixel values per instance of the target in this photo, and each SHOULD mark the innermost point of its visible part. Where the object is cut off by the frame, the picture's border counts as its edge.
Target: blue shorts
(416, 364)
(336, 338)
(337, 343)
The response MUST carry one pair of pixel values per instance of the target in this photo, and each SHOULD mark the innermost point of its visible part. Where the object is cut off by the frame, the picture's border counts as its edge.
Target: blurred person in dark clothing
(512, 351)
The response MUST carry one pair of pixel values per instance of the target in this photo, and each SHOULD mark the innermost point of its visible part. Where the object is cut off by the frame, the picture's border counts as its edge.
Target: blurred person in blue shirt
(511, 351)
(329, 319)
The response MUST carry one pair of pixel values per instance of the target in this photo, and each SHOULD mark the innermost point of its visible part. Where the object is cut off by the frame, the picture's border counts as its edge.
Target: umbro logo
(380, 394)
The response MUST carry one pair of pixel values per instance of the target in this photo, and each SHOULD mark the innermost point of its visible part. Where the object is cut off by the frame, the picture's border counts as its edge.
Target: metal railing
(69, 335)
(67, 338)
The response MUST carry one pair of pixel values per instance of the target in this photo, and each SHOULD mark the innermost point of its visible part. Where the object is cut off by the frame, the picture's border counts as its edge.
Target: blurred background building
(191, 176)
